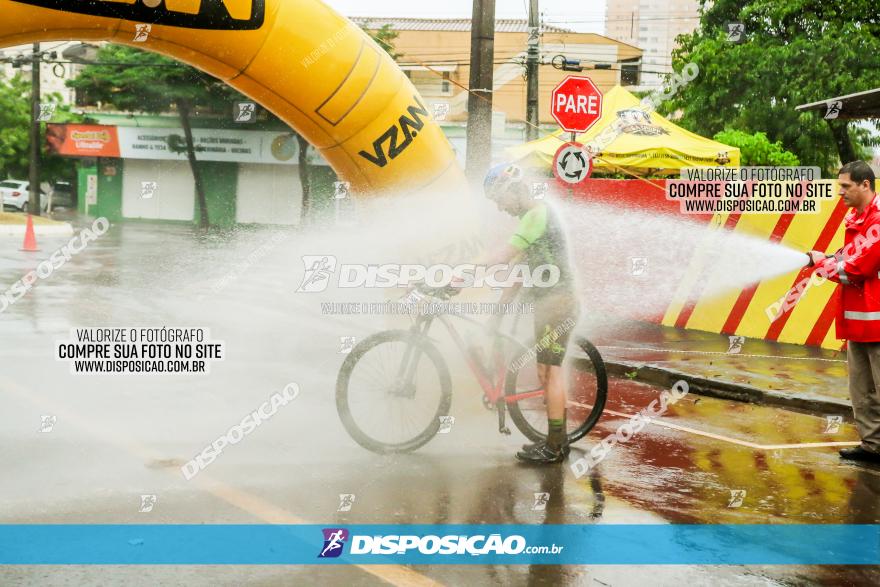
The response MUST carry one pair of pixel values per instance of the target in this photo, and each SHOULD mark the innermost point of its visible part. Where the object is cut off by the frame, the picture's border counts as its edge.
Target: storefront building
(142, 173)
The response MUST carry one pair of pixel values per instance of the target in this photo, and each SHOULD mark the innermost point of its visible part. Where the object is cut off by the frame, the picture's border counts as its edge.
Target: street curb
(733, 391)
(64, 229)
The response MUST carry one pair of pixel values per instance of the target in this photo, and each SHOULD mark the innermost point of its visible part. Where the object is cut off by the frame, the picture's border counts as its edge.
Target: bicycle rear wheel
(392, 390)
(586, 384)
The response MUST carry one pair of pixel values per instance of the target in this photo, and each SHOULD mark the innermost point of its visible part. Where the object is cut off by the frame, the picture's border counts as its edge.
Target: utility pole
(532, 72)
(479, 127)
(34, 175)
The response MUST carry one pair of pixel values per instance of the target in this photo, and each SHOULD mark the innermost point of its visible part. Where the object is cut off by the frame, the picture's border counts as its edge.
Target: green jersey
(541, 237)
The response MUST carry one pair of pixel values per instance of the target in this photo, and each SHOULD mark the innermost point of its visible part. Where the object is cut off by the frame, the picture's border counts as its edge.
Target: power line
(586, 69)
(405, 64)
(511, 61)
(584, 49)
(460, 57)
(107, 63)
(623, 19)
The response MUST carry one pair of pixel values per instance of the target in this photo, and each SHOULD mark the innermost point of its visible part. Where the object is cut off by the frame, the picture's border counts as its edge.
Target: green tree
(149, 82)
(129, 79)
(794, 52)
(15, 109)
(756, 149)
(14, 119)
(385, 36)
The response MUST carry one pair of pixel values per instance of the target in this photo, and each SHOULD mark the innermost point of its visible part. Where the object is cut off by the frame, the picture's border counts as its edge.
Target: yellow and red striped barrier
(744, 312)
(741, 311)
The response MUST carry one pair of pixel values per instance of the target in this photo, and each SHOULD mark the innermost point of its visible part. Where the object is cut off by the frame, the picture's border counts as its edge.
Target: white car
(14, 193)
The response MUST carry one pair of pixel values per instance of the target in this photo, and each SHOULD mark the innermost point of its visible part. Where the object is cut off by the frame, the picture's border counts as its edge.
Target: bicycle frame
(493, 390)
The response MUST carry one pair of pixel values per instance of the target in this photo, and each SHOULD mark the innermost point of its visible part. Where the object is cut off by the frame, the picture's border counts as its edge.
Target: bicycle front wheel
(392, 391)
(586, 386)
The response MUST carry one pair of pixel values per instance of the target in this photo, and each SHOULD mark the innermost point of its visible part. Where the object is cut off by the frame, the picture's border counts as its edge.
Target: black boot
(858, 453)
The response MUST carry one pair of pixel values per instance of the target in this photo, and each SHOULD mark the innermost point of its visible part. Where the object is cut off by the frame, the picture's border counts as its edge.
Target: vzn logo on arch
(409, 127)
(194, 14)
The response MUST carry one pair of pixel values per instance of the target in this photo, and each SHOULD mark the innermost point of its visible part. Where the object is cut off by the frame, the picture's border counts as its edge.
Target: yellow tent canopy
(648, 142)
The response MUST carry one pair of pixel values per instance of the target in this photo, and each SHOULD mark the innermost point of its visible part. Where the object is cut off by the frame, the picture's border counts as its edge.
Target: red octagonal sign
(576, 104)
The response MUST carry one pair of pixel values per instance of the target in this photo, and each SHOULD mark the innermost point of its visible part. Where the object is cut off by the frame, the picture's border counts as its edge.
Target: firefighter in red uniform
(856, 267)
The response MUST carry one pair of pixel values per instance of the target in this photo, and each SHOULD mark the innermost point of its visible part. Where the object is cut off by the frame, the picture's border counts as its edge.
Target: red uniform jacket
(855, 267)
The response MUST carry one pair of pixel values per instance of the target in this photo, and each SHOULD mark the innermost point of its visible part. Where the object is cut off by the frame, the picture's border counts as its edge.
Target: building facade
(435, 54)
(651, 25)
(126, 170)
(53, 74)
(131, 168)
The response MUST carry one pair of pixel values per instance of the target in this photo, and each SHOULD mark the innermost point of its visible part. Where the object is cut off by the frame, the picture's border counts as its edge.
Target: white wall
(268, 194)
(175, 195)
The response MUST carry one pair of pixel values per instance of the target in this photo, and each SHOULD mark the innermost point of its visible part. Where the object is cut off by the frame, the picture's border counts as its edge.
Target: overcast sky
(579, 15)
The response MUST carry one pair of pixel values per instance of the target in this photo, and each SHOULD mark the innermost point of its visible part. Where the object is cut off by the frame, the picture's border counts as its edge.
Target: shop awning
(852, 106)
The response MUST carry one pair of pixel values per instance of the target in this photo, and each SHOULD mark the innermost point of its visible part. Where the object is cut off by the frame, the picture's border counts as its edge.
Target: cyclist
(540, 240)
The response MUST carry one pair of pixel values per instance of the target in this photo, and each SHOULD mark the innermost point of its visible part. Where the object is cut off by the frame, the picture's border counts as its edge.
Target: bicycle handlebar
(443, 292)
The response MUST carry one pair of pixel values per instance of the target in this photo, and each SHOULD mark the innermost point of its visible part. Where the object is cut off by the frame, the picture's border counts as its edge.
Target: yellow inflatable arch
(298, 58)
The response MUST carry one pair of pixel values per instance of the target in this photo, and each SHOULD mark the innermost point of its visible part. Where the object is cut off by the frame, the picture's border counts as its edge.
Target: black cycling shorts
(555, 318)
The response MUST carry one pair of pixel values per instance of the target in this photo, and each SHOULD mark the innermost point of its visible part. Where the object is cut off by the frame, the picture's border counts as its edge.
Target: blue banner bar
(635, 544)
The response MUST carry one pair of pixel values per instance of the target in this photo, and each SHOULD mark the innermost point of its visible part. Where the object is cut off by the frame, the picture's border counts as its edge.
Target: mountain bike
(394, 390)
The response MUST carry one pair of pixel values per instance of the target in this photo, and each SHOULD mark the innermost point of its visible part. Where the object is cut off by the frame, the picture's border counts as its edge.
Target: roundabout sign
(572, 164)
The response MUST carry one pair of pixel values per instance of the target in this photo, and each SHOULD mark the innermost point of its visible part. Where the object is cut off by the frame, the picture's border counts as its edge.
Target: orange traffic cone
(30, 238)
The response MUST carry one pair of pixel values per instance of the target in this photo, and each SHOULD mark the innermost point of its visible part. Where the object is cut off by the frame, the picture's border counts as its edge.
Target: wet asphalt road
(117, 438)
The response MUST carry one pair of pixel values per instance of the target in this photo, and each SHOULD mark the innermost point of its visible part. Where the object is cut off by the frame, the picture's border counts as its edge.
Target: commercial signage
(128, 142)
(83, 140)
